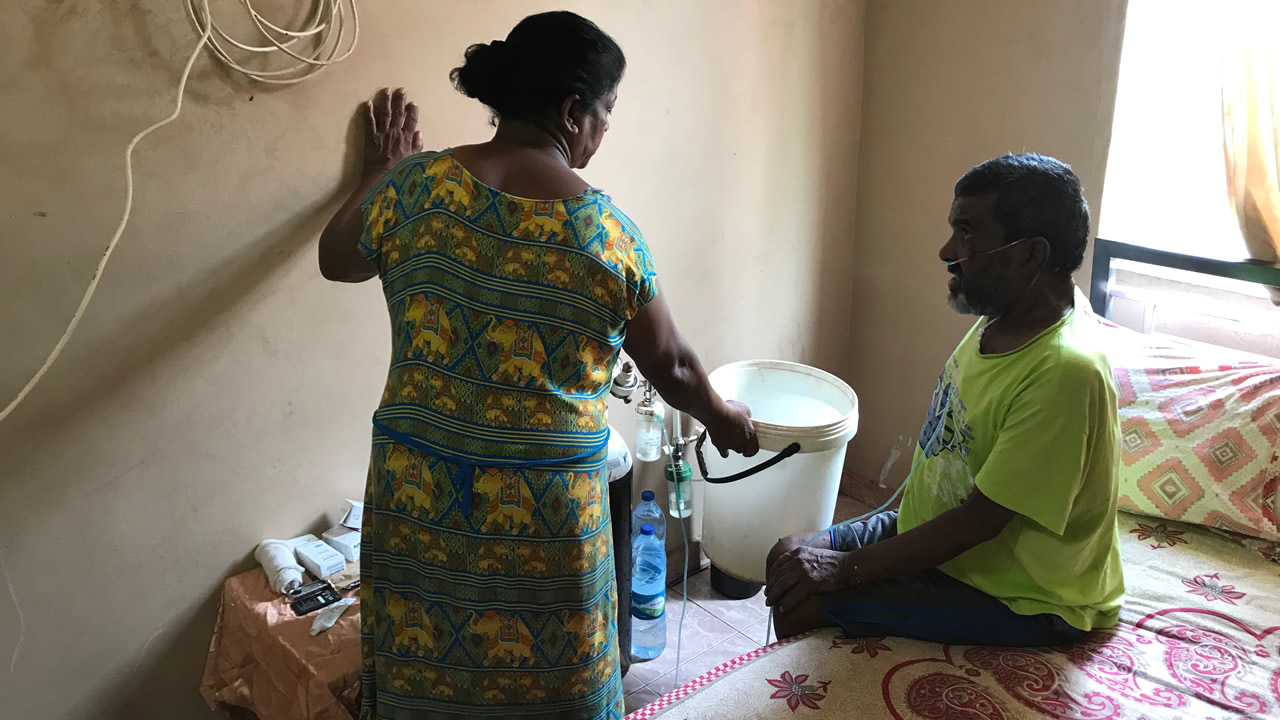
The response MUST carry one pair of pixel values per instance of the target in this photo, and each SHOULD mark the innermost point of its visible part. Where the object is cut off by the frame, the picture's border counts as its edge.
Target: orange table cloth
(264, 659)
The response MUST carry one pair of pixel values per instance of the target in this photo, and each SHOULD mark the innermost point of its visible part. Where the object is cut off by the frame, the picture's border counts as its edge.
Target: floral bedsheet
(1199, 638)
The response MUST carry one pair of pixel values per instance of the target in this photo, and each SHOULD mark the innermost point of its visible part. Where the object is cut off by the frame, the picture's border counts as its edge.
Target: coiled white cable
(328, 22)
(328, 27)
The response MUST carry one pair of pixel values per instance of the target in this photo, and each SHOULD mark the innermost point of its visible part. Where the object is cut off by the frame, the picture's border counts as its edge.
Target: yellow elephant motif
(541, 220)
(559, 272)
(602, 287)
(510, 503)
(413, 486)
(592, 631)
(382, 211)
(596, 359)
(580, 560)
(398, 539)
(431, 546)
(602, 547)
(492, 557)
(443, 395)
(396, 459)
(517, 261)
(438, 689)
(507, 638)
(522, 352)
(451, 194)
(430, 232)
(532, 558)
(498, 687)
(412, 679)
(410, 385)
(411, 627)
(497, 407)
(539, 411)
(431, 330)
(534, 687)
(465, 247)
(584, 490)
(582, 681)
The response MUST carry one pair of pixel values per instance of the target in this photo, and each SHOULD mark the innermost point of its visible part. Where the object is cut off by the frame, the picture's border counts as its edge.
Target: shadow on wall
(166, 325)
(174, 655)
(836, 128)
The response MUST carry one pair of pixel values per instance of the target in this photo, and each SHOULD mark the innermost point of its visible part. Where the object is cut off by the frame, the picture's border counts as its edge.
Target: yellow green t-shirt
(1035, 430)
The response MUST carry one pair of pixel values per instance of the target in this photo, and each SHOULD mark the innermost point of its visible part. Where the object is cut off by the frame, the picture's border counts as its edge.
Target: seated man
(1007, 529)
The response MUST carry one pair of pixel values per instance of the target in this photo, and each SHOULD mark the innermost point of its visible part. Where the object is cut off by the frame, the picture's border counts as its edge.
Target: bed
(1199, 636)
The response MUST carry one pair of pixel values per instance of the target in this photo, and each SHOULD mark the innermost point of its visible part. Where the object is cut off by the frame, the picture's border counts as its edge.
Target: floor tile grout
(676, 595)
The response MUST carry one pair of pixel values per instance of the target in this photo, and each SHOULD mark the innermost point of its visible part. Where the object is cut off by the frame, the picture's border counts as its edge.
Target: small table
(264, 659)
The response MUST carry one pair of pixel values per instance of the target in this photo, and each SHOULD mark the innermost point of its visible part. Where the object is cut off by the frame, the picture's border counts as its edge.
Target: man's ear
(1040, 250)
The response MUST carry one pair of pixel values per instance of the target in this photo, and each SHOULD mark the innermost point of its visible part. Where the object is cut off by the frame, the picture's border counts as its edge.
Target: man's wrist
(850, 570)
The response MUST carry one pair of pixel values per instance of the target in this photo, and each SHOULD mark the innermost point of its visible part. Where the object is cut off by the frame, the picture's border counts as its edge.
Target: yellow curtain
(1251, 125)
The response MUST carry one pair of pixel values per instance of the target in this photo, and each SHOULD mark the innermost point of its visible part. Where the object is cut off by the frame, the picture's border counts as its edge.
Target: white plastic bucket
(790, 403)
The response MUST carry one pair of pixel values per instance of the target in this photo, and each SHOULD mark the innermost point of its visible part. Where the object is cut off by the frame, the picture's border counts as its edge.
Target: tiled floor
(716, 631)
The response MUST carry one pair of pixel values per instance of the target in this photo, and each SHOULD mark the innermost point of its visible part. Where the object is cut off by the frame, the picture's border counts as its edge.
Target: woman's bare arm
(667, 360)
(391, 136)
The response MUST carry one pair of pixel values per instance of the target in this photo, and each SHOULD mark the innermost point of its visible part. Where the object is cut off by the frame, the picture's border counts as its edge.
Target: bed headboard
(1104, 251)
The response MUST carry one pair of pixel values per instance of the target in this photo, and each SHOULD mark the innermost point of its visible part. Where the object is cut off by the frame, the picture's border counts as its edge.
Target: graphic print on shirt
(947, 408)
(946, 451)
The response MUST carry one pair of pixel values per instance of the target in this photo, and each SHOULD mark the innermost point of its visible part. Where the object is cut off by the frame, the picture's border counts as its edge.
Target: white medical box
(320, 560)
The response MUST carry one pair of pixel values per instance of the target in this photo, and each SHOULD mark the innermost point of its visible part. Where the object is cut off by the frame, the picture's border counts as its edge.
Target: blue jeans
(931, 605)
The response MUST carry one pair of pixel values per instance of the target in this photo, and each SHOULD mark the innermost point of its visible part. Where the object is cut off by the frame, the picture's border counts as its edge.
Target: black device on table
(312, 597)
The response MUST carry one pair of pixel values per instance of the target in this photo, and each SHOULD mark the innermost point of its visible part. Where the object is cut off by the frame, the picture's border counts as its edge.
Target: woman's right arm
(666, 359)
(391, 135)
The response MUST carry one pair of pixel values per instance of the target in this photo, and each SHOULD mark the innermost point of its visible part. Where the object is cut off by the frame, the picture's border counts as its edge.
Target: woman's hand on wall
(392, 131)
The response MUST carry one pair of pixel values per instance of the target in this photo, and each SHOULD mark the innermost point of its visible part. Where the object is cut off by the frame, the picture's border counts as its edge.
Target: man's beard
(983, 295)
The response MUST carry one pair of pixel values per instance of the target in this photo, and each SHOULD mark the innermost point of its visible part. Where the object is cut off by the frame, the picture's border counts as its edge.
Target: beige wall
(948, 85)
(219, 390)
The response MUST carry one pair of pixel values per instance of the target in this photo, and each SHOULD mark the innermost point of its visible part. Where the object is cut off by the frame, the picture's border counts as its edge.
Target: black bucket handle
(787, 452)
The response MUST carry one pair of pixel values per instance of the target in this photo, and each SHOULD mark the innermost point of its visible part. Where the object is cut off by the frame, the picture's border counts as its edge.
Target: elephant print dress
(487, 581)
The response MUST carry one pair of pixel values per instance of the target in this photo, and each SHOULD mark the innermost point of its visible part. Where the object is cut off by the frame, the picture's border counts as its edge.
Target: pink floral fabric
(1199, 638)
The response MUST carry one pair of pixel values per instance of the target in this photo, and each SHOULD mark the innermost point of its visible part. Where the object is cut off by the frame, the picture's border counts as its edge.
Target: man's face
(980, 285)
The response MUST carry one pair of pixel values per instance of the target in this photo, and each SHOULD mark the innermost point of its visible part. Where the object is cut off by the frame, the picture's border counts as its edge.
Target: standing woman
(487, 583)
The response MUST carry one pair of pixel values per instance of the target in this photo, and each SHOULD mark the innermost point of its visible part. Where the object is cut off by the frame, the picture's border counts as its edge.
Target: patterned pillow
(1200, 434)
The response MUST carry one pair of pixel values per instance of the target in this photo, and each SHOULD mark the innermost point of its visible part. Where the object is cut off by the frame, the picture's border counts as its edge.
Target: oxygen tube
(673, 464)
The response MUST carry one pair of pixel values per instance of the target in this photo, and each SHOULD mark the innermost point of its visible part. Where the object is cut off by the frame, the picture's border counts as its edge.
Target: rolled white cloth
(278, 561)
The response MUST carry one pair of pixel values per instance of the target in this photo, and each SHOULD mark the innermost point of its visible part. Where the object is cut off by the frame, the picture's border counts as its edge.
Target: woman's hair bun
(546, 58)
(482, 74)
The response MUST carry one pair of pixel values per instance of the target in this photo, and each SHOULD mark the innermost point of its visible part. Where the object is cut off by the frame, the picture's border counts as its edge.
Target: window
(1166, 180)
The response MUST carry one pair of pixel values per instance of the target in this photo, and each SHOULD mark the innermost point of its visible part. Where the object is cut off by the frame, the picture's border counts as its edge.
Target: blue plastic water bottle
(648, 512)
(648, 595)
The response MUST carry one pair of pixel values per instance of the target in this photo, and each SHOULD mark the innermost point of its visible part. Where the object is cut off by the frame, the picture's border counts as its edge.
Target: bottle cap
(646, 496)
(646, 529)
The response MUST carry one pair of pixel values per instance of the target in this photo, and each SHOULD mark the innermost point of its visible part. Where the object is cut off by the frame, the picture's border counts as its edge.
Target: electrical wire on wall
(332, 39)
(328, 28)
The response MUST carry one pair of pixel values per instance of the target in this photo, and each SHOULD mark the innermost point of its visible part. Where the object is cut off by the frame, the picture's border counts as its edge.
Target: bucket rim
(826, 431)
